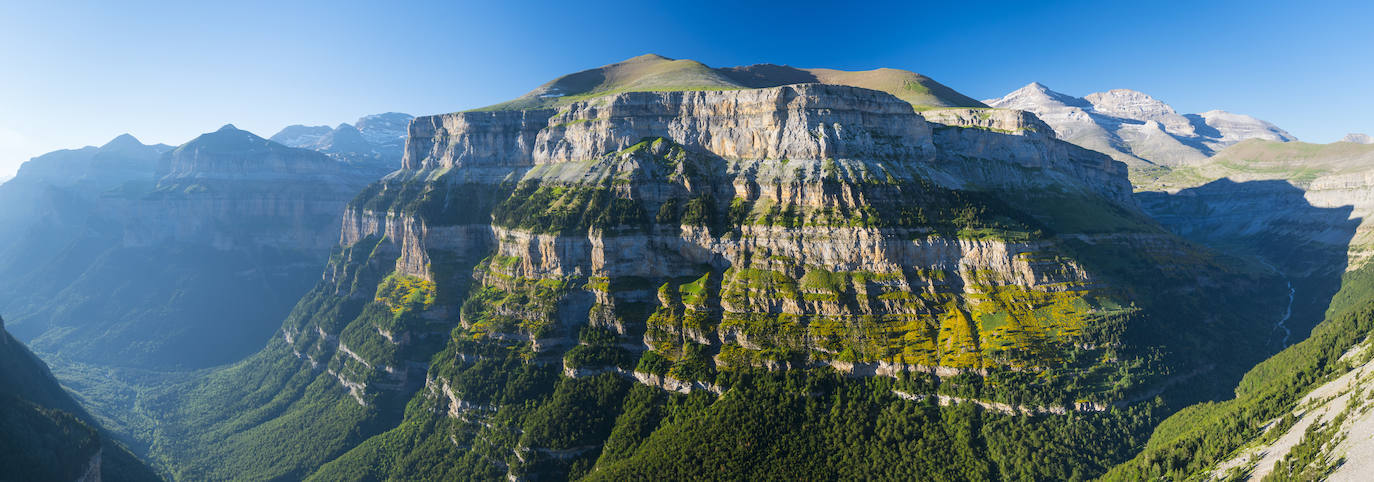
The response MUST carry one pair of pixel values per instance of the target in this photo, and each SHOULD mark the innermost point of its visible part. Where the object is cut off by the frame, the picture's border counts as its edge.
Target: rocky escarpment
(232, 189)
(677, 239)
(528, 272)
(151, 270)
(1283, 184)
(807, 121)
(794, 122)
(788, 227)
(771, 227)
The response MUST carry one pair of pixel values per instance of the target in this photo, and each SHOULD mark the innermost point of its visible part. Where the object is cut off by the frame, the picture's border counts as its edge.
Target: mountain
(1357, 138)
(375, 140)
(655, 73)
(1135, 128)
(45, 434)
(150, 267)
(642, 274)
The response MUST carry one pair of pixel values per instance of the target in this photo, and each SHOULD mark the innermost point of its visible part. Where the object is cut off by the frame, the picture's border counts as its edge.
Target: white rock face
(1358, 138)
(1136, 128)
(1238, 127)
(807, 121)
(798, 122)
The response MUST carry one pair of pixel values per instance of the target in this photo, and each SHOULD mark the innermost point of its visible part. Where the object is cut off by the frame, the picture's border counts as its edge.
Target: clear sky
(80, 73)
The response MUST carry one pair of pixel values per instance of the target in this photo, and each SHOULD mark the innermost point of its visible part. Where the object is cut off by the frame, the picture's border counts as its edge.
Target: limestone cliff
(788, 226)
(681, 241)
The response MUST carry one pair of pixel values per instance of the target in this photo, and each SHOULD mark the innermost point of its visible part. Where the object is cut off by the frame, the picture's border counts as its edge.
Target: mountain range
(375, 140)
(1135, 128)
(660, 269)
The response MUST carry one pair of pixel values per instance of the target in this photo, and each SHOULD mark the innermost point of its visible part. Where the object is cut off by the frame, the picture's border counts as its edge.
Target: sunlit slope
(654, 73)
(916, 89)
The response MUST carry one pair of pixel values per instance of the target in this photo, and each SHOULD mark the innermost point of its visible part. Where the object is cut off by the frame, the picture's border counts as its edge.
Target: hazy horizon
(155, 72)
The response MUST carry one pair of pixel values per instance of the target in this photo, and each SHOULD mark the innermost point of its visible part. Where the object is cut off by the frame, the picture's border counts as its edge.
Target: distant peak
(227, 127)
(123, 140)
(1038, 88)
(1033, 95)
(647, 57)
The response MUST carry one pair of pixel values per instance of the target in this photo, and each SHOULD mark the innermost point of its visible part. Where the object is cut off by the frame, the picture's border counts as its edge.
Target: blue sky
(80, 73)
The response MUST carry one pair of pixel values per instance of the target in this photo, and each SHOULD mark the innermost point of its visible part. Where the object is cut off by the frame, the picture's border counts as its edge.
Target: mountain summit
(656, 73)
(1135, 128)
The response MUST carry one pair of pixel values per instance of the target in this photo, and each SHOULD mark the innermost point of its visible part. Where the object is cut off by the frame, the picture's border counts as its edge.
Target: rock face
(793, 122)
(1358, 138)
(1135, 128)
(232, 189)
(375, 141)
(142, 255)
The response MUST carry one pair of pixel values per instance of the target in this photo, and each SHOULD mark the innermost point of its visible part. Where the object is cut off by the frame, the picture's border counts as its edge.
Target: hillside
(1300, 415)
(654, 282)
(654, 73)
(45, 435)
